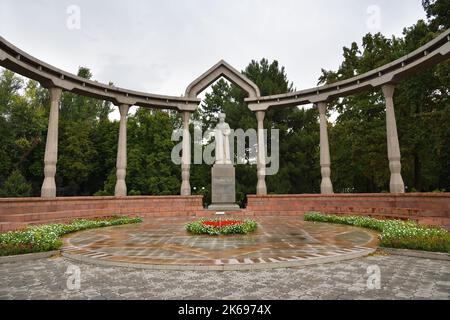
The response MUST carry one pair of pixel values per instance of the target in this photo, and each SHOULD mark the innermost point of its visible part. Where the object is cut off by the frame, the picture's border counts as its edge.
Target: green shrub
(197, 227)
(47, 237)
(134, 193)
(394, 233)
(102, 193)
(16, 186)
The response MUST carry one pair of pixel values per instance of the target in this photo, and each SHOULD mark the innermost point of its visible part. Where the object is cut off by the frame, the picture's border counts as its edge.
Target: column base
(48, 189)
(396, 184)
(261, 188)
(326, 187)
(185, 189)
(120, 189)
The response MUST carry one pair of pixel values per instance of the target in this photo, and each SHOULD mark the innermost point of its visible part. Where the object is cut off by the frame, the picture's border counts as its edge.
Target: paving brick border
(29, 256)
(417, 254)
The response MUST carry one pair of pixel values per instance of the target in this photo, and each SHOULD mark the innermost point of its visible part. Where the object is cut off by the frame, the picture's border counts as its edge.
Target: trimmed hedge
(394, 233)
(47, 237)
(197, 227)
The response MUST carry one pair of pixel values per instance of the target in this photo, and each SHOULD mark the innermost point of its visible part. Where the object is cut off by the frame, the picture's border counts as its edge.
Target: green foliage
(394, 233)
(15, 186)
(438, 12)
(47, 237)
(134, 193)
(197, 227)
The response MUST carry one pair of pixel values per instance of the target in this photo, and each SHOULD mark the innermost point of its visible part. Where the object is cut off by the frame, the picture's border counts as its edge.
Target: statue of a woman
(221, 134)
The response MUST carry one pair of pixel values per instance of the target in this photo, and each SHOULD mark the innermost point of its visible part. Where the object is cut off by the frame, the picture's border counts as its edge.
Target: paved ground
(285, 241)
(401, 278)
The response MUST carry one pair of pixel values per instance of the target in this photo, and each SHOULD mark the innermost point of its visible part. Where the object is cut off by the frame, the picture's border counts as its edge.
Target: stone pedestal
(223, 188)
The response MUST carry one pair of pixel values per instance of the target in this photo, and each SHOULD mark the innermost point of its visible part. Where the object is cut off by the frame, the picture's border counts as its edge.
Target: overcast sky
(161, 46)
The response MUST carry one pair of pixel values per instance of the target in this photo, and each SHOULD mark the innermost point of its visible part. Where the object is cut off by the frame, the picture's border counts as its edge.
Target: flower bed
(47, 237)
(224, 227)
(394, 233)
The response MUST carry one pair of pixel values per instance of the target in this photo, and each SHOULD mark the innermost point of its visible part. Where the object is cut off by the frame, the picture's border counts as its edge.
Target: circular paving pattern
(163, 243)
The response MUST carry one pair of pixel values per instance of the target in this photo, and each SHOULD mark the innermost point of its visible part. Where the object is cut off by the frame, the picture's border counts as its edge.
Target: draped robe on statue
(221, 134)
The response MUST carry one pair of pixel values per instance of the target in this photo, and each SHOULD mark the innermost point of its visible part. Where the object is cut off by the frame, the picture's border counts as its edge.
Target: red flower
(220, 224)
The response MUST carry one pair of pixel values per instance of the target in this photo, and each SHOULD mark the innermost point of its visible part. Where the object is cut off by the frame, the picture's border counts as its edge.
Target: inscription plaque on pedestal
(223, 187)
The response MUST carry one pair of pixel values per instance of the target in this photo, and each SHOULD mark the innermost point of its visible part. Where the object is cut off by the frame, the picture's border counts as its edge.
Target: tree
(15, 186)
(82, 170)
(438, 13)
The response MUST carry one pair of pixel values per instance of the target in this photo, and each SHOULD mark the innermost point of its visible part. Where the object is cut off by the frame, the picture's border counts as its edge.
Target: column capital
(322, 107)
(186, 116)
(55, 93)
(123, 109)
(260, 115)
(388, 90)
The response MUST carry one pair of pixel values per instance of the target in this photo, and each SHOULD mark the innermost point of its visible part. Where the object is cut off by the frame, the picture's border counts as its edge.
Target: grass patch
(48, 237)
(394, 233)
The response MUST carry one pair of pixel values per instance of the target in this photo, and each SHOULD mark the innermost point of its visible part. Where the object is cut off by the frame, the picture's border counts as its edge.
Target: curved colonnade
(386, 77)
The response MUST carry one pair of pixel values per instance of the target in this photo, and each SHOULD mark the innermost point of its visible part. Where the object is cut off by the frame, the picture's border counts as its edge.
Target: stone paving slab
(163, 243)
(400, 278)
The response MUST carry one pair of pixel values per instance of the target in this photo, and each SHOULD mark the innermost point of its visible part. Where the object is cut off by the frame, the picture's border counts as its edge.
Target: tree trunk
(417, 173)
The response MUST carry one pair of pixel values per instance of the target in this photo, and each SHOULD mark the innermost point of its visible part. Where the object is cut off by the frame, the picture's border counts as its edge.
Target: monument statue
(223, 184)
(221, 134)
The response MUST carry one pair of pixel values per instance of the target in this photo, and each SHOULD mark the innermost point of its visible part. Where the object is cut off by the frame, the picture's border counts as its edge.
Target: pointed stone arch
(222, 69)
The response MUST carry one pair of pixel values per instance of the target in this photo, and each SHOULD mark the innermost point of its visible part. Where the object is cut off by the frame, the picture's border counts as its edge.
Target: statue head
(222, 117)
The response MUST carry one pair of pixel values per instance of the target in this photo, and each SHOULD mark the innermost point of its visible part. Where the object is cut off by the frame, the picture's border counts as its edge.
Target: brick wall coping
(353, 195)
(90, 198)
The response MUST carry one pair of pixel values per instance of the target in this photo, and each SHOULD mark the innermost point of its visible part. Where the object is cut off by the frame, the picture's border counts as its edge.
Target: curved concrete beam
(222, 69)
(22, 63)
(430, 54)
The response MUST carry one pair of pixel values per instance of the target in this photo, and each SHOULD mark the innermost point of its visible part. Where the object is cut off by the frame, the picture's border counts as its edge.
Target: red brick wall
(425, 208)
(18, 212)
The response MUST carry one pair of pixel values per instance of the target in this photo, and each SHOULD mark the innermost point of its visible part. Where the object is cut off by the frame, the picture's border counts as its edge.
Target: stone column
(261, 188)
(48, 189)
(396, 184)
(186, 156)
(326, 187)
(121, 163)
